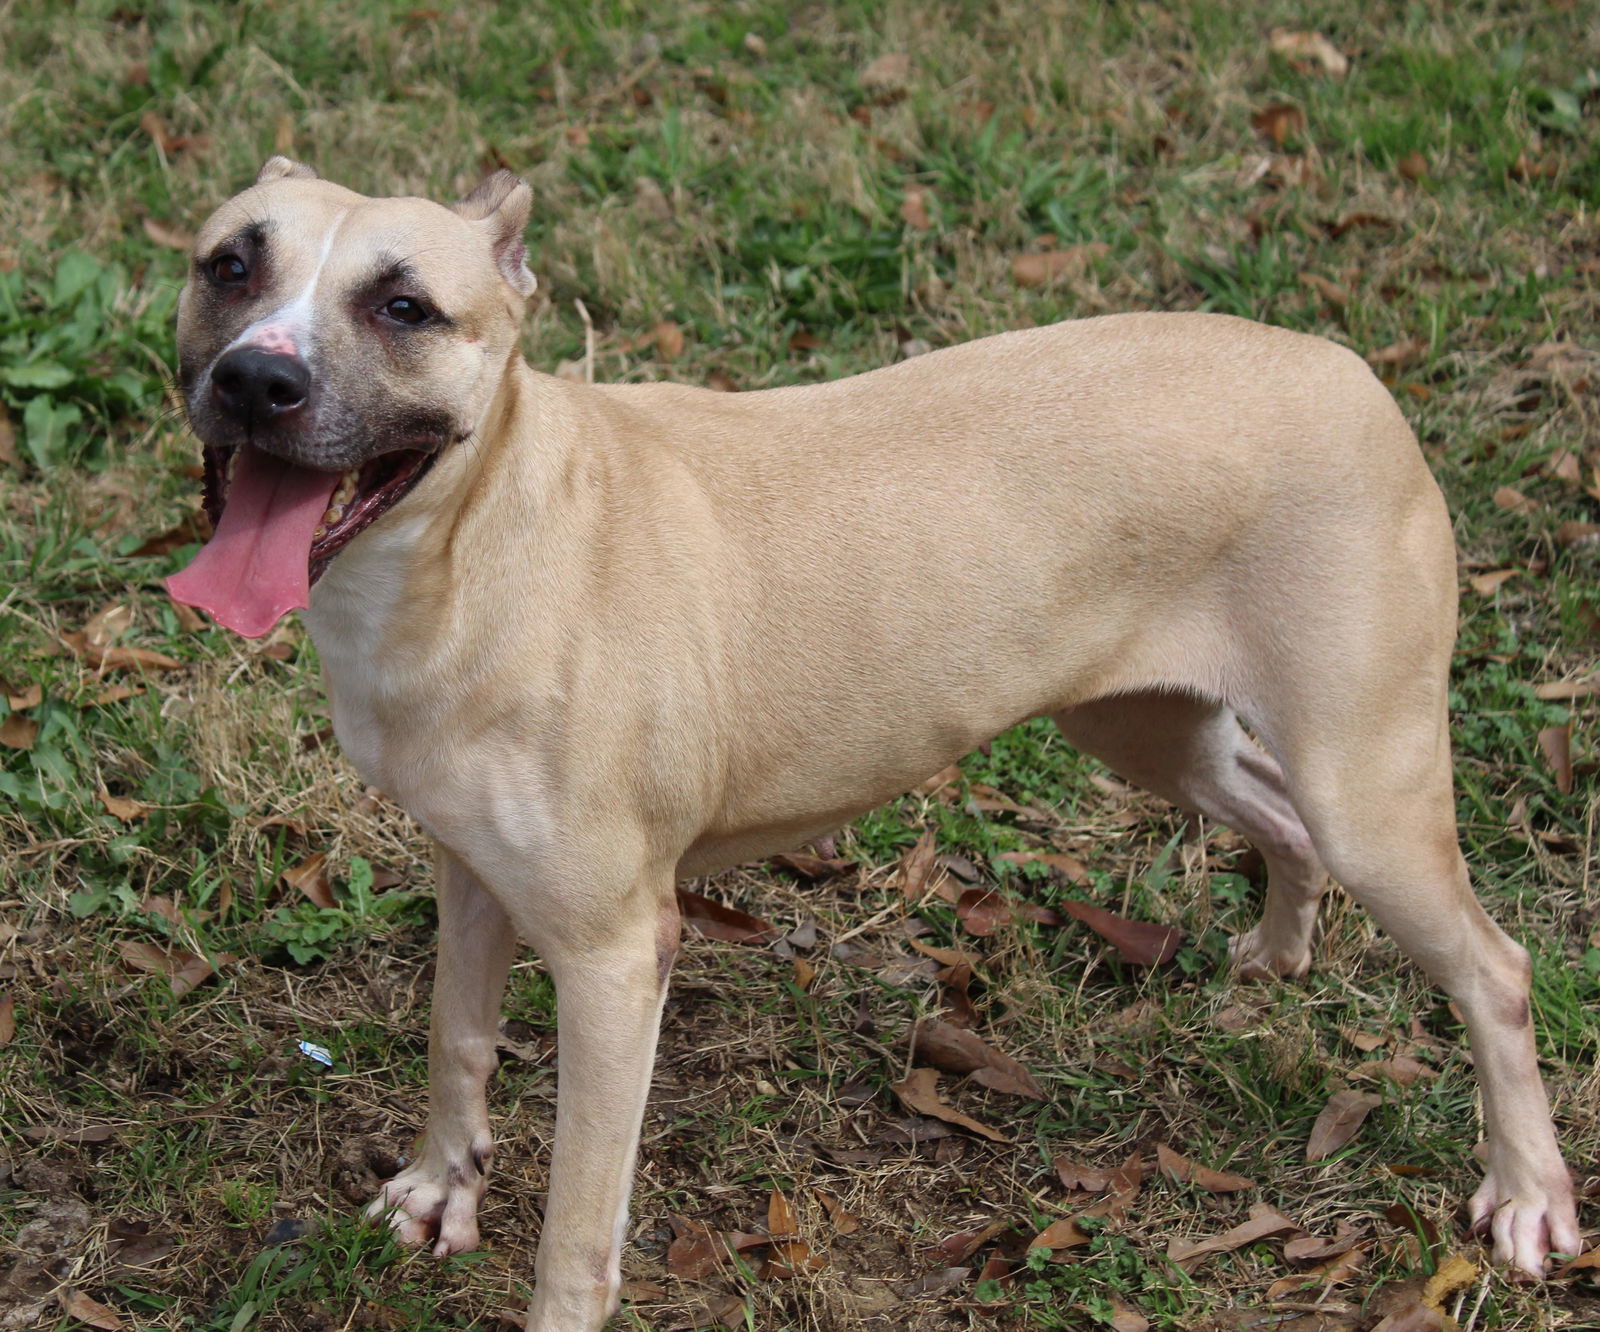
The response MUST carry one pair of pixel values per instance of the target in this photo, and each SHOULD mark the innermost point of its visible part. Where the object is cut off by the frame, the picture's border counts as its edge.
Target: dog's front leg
(611, 979)
(436, 1198)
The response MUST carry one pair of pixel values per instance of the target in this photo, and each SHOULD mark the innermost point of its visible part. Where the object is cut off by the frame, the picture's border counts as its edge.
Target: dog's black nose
(252, 385)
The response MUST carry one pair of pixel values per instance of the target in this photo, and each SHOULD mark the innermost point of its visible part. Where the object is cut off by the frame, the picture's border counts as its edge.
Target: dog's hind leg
(1193, 752)
(436, 1198)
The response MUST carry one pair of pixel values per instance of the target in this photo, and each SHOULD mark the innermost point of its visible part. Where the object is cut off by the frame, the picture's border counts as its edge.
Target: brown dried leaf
(1401, 1068)
(1185, 1171)
(106, 627)
(814, 867)
(121, 807)
(1416, 1318)
(80, 1306)
(781, 1223)
(1093, 1179)
(915, 867)
(1487, 584)
(919, 1093)
(1327, 288)
(311, 879)
(1045, 266)
(1305, 49)
(963, 1244)
(804, 974)
(1338, 1123)
(61, 1133)
(669, 340)
(1337, 1270)
(1062, 865)
(1062, 1234)
(846, 1223)
(1555, 743)
(1514, 501)
(1574, 533)
(791, 1260)
(721, 381)
(1124, 1318)
(914, 208)
(166, 233)
(1265, 1221)
(1312, 1248)
(1413, 166)
(8, 441)
(8, 1018)
(980, 911)
(1584, 1262)
(18, 732)
(888, 73)
(948, 1047)
(1279, 121)
(1139, 942)
(1407, 351)
(30, 697)
(196, 527)
(716, 921)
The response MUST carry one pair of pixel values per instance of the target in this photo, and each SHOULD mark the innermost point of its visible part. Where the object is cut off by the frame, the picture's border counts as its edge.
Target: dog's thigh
(1193, 752)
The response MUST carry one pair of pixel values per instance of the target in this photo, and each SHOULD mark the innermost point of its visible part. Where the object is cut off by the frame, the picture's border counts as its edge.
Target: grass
(727, 168)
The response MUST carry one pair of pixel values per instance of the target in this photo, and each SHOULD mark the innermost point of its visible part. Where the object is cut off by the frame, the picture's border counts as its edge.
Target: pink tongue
(256, 567)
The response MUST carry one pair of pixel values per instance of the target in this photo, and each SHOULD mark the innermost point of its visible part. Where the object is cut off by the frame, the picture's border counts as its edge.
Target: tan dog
(576, 650)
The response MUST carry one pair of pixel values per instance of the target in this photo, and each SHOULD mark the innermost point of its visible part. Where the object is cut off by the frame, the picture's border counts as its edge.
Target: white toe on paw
(433, 1205)
(1526, 1228)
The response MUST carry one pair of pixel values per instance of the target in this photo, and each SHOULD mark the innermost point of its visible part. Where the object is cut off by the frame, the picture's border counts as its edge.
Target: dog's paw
(1529, 1225)
(1255, 957)
(435, 1202)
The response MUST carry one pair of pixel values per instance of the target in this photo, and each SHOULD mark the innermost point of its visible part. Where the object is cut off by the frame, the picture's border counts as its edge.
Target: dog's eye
(229, 269)
(407, 310)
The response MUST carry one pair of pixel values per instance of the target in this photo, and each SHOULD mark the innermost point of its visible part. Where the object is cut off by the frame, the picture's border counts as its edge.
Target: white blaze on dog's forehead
(277, 332)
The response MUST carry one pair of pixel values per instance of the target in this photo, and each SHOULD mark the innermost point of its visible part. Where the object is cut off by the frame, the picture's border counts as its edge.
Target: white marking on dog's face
(285, 330)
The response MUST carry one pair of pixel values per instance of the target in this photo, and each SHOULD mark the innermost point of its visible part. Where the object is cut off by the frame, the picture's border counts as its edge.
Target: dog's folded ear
(502, 203)
(277, 168)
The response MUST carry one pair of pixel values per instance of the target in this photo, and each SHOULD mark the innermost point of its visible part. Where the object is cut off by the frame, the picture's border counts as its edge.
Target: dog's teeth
(332, 514)
(233, 465)
(319, 533)
(347, 488)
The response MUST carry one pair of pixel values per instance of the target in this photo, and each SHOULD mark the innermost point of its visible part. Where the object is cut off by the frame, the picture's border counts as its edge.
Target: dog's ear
(276, 168)
(502, 203)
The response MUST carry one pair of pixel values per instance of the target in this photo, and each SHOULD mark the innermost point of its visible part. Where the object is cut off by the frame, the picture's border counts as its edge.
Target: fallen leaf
(1555, 743)
(916, 865)
(1514, 501)
(1402, 1069)
(1185, 1171)
(1124, 1318)
(1062, 865)
(846, 1223)
(1350, 221)
(60, 1133)
(106, 627)
(791, 1259)
(949, 957)
(1405, 352)
(980, 911)
(8, 1018)
(942, 784)
(1265, 1221)
(1327, 288)
(888, 73)
(1584, 1262)
(311, 879)
(963, 1244)
(721, 381)
(80, 1306)
(634, 1291)
(1341, 1117)
(1313, 1248)
(1574, 533)
(935, 1282)
(716, 921)
(18, 732)
(1279, 121)
(165, 233)
(1062, 1234)
(196, 527)
(1416, 1318)
(669, 340)
(1139, 942)
(1093, 1179)
(1455, 1273)
(914, 208)
(30, 697)
(1307, 48)
(804, 974)
(919, 1093)
(955, 1050)
(814, 867)
(8, 441)
(1487, 584)
(803, 339)
(1413, 166)
(781, 1223)
(122, 807)
(1045, 266)
(1337, 1270)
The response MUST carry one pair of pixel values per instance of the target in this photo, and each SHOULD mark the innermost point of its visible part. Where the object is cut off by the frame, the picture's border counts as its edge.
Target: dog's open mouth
(278, 527)
(362, 495)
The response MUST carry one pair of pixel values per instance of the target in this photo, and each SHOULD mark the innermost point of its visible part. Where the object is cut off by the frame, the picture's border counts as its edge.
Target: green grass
(1448, 186)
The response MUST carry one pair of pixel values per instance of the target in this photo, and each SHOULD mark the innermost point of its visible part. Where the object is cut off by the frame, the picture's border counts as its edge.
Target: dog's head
(332, 345)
